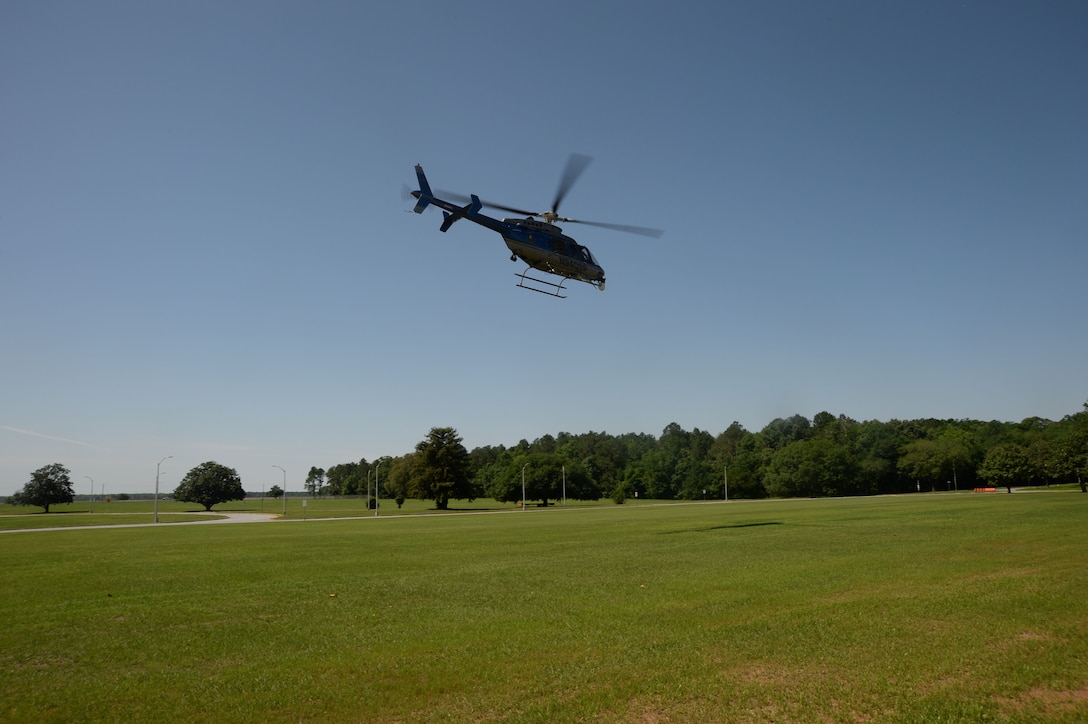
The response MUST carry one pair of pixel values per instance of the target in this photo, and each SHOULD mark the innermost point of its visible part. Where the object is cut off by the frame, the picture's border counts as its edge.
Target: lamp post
(727, 483)
(157, 469)
(284, 488)
(90, 508)
(523, 485)
(376, 488)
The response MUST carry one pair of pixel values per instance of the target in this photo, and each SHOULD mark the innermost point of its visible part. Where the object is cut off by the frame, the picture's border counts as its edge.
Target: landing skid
(550, 288)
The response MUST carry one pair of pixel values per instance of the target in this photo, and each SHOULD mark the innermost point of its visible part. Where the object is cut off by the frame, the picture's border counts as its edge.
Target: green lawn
(170, 511)
(914, 608)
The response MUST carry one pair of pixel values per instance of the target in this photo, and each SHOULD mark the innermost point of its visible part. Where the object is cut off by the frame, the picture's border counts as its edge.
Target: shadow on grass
(451, 509)
(721, 527)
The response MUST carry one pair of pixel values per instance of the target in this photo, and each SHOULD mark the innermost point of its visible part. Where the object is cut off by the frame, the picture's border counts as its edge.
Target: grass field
(123, 512)
(914, 608)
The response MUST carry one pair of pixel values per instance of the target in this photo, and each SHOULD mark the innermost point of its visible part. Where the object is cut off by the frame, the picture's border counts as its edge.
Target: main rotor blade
(576, 164)
(465, 199)
(640, 230)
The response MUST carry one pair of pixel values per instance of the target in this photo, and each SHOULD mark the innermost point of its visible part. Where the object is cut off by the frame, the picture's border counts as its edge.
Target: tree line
(827, 455)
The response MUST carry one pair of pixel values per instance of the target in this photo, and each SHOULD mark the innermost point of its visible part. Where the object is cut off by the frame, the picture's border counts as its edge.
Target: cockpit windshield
(584, 252)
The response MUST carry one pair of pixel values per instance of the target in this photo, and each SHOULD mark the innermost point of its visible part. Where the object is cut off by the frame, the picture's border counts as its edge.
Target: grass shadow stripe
(726, 526)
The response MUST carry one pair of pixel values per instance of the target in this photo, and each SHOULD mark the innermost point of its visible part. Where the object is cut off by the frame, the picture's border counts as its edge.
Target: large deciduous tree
(1006, 465)
(441, 469)
(210, 484)
(49, 485)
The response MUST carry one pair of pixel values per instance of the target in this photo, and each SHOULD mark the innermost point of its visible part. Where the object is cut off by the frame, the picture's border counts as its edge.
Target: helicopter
(538, 242)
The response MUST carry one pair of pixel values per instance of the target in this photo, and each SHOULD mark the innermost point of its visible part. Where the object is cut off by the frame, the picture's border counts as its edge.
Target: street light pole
(90, 508)
(284, 489)
(523, 485)
(157, 470)
(376, 488)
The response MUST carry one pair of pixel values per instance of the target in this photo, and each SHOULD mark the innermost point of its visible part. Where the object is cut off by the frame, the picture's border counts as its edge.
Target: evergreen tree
(441, 469)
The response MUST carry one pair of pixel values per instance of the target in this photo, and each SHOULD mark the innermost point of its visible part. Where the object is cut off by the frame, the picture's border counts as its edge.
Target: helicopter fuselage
(541, 245)
(545, 247)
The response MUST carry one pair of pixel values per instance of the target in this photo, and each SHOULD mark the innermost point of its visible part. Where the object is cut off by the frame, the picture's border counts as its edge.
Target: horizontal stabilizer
(448, 218)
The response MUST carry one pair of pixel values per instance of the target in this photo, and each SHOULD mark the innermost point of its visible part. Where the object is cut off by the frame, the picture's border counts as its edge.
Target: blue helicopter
(539, 243)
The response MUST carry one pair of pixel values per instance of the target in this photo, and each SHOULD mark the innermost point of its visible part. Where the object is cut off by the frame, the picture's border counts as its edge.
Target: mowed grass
(127, 512)
(914, 608)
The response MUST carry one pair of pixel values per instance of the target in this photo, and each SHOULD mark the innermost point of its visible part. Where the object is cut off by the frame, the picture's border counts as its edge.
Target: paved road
(212, 519)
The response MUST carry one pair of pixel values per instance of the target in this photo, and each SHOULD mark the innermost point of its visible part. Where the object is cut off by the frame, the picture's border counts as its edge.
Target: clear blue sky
(878, 209)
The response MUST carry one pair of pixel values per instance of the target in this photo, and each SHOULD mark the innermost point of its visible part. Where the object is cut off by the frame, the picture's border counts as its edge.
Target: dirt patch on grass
(1046, 703)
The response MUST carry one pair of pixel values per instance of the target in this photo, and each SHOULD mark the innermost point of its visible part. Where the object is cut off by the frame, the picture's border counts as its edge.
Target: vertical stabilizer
(424, 195)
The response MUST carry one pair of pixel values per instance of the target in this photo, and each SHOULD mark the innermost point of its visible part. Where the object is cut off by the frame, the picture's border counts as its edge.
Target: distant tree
(1006, 465)
(49, 485)
(545, 444)
(921, 461)
(441, 469)
(348, 478)
(275, 492)
(956, 448)
(781, 432)
(209, 484)
(811, 468)
(877, 445)
(727, 444)
(603, 456)
(619, 492)
(489, 466)
(315, 481)
(544, 478)
(341, 478)
(397, 482)
(745, 473)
